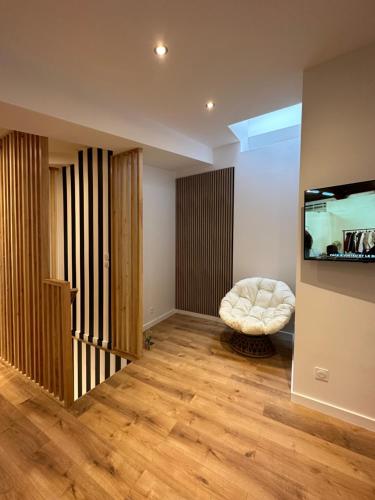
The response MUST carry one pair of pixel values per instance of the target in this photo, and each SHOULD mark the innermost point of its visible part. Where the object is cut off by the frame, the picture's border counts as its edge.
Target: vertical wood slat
(24, 262)
(58, 343)
(126, 253)
(204, 240)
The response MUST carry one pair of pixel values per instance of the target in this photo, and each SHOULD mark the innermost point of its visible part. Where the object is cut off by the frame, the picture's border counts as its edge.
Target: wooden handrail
(57, 349)
(73, 294)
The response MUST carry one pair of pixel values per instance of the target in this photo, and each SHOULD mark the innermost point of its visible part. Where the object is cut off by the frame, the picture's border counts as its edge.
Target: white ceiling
(62, 153)
(246, 55)
(62, 138)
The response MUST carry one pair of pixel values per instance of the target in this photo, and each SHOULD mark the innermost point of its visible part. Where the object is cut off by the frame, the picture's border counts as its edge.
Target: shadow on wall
(335, 276)
(346, 278)
(290, 327)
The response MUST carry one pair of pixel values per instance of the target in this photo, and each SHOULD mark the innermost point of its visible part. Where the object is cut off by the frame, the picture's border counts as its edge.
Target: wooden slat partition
(204, 240)
(24, 249)
(57, 348)
(126, 253)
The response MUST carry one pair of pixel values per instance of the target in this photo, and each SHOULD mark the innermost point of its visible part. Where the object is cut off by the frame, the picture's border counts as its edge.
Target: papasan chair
(255, 308)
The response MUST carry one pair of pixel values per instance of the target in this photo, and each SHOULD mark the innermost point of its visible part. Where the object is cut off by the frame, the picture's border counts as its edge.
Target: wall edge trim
(334, 411)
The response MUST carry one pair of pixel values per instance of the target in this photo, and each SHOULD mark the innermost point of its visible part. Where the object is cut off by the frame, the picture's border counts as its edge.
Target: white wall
(335, 309)
(158, 243)
(265, 209)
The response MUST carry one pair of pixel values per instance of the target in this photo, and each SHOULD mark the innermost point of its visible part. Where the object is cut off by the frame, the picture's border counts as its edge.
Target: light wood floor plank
(190, 420)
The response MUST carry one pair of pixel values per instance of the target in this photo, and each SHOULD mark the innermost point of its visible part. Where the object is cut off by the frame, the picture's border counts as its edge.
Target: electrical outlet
(321, 374)
(151, 310)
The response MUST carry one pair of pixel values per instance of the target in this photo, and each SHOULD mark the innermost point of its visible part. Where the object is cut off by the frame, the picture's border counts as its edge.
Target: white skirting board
(197, 315)
(315, 404)
(334, 411)
(157, 320)
(214, 318)
(170, 313)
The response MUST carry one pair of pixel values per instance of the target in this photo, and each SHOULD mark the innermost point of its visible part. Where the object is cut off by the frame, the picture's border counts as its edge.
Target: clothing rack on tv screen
(359, 241)
(356, 230)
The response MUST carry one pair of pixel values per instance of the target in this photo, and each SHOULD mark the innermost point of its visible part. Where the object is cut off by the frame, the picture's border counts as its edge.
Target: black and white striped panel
(92, 366)
(87, 243)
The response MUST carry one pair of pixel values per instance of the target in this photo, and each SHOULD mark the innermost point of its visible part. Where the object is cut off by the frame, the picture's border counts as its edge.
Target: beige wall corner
(336, 300)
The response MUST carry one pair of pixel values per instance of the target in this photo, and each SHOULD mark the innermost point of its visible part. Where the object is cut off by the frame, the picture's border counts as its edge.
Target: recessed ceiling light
(210, 105)
(161, 50)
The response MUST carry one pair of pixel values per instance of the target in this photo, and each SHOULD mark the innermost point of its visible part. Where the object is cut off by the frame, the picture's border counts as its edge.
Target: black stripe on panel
(109, 251)
(100, 243)
(118, 363)
(90, 243)
(79, 368)
(65, 213)
(97, 366)
(231, 218)
(88, 367)
(73, 228)
(107, 366)
(81, 242)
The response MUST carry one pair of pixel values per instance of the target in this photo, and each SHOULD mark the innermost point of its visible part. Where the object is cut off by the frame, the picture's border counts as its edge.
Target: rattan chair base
(254, 346)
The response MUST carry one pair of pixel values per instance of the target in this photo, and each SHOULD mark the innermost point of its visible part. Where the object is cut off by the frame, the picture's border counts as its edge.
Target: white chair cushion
(258, 306)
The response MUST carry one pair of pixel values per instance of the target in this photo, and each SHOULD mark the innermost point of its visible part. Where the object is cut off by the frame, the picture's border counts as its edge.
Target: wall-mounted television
(340, 223)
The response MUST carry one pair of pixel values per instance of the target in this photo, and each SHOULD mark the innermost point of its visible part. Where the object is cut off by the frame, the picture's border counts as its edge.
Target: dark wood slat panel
(204, 240)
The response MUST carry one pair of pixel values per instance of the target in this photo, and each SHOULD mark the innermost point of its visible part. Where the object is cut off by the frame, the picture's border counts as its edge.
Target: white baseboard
(197, 315)
(170, 313)
(315, 404)
(287, 333)
(214, 318)
(334, 411)
(157, 320)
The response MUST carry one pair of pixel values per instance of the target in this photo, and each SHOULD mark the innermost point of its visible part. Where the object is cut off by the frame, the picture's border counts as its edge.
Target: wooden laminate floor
(190, 420)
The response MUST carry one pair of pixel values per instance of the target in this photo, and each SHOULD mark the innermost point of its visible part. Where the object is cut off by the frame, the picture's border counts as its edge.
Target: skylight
(263, 130)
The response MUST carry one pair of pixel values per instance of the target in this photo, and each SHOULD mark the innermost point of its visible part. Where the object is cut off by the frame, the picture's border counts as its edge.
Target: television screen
(340, 223)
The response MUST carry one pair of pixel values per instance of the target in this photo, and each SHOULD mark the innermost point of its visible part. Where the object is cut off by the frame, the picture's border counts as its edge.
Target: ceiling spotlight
(161, 50)
(210, 105)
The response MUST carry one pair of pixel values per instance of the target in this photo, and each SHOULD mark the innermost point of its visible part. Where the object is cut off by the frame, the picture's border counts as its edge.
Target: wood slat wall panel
(24, 263)
(126, 253)
(204, 240)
